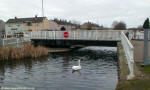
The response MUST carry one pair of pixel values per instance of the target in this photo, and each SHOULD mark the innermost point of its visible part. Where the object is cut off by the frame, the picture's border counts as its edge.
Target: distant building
(2, 26)
(90, 26)
(61, 25)
(20, 25)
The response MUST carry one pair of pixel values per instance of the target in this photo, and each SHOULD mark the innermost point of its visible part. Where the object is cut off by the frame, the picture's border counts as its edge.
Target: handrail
(78, 35)
(129, 53)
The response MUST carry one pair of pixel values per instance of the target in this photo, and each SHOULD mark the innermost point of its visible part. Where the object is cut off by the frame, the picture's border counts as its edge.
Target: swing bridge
(79, 38)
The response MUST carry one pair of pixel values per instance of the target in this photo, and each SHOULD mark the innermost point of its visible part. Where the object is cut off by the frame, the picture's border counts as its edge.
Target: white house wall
(9, 28)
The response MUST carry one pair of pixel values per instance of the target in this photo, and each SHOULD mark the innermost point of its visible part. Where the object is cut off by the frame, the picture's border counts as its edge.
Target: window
(29, 30)
(14, 29)
(37, 24)
(29, 23)
(9, 25)
(18, 25)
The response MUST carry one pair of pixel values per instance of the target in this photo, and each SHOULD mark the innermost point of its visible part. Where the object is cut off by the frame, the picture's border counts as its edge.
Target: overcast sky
(103, 12)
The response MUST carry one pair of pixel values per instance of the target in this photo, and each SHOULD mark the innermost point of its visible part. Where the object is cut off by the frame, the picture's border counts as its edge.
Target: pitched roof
(63, 22)
(92, 24)
(23, 20)
(1, 21)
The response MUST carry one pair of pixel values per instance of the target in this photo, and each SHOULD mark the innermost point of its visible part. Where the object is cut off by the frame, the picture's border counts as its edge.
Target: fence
(140, 36)
(129, 52)
(10, 41)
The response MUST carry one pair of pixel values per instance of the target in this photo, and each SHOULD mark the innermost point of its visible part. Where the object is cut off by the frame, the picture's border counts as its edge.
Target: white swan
(75, 68)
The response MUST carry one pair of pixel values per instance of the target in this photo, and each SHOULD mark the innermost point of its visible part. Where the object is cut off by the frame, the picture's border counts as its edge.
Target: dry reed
(27, 51)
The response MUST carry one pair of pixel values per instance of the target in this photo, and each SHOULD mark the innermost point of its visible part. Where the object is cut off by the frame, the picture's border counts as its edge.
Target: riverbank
(52, 50)
(142, 75)
(26, 51)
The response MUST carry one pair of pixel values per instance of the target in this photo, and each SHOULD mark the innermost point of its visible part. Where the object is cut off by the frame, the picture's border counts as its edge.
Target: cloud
(104, 12)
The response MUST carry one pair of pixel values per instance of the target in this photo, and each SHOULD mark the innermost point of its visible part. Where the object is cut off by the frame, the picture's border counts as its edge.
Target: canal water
(99, 71)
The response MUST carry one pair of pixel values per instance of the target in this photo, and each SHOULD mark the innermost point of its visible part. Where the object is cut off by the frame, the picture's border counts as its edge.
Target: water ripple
(99, 71)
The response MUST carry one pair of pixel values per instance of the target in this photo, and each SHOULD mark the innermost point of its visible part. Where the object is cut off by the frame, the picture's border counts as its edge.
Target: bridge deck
(99, 35)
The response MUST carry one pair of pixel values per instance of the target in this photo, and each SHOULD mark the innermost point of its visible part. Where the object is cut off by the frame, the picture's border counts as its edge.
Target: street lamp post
(42, 8)
(43, 13)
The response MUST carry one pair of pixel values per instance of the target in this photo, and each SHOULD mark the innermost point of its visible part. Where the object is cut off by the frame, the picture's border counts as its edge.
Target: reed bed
(27, 51)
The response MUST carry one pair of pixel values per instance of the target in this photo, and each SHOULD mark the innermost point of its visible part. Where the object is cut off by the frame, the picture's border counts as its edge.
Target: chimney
(15, 17)
(36, 16)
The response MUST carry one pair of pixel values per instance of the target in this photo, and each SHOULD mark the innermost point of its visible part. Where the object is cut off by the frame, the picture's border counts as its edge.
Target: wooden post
(54, 34)
(3, 43)
(45, 34)
(96, 34)
(74, 35)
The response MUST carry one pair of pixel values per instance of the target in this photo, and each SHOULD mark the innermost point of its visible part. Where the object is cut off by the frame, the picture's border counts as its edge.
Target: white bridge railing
(129, 52)
(78, 35)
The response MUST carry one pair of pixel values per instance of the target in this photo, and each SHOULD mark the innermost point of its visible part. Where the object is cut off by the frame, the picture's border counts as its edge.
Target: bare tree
(140, 28)
(119, 25)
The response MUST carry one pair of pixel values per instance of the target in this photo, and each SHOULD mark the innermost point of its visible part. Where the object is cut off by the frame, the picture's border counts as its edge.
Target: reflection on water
(99, 71)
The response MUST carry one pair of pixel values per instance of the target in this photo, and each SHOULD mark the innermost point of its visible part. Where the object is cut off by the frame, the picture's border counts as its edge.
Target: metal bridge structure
(87, 38)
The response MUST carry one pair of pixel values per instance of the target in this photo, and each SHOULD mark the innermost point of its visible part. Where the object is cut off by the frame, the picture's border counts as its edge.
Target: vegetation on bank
(27, 51)
(146, 69)
(136, 84)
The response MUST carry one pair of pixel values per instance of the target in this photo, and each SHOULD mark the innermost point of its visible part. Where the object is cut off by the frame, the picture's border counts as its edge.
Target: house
(2, 26)
(61, 25)
(21, 25)
(90, 26)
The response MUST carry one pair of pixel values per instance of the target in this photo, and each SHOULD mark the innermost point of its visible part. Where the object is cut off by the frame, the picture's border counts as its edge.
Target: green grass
(134, 85)
(146, 69)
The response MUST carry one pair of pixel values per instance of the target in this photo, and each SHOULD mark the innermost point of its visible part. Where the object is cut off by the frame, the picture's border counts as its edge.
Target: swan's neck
(79, 63)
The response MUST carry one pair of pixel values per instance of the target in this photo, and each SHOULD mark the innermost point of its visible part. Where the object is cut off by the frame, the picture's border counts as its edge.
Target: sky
(102, 12)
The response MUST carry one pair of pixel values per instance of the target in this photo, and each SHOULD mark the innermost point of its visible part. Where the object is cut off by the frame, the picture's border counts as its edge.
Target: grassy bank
(136, 84)
(145, 69)
(142, 74)
(27, 51)
(140, 82)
